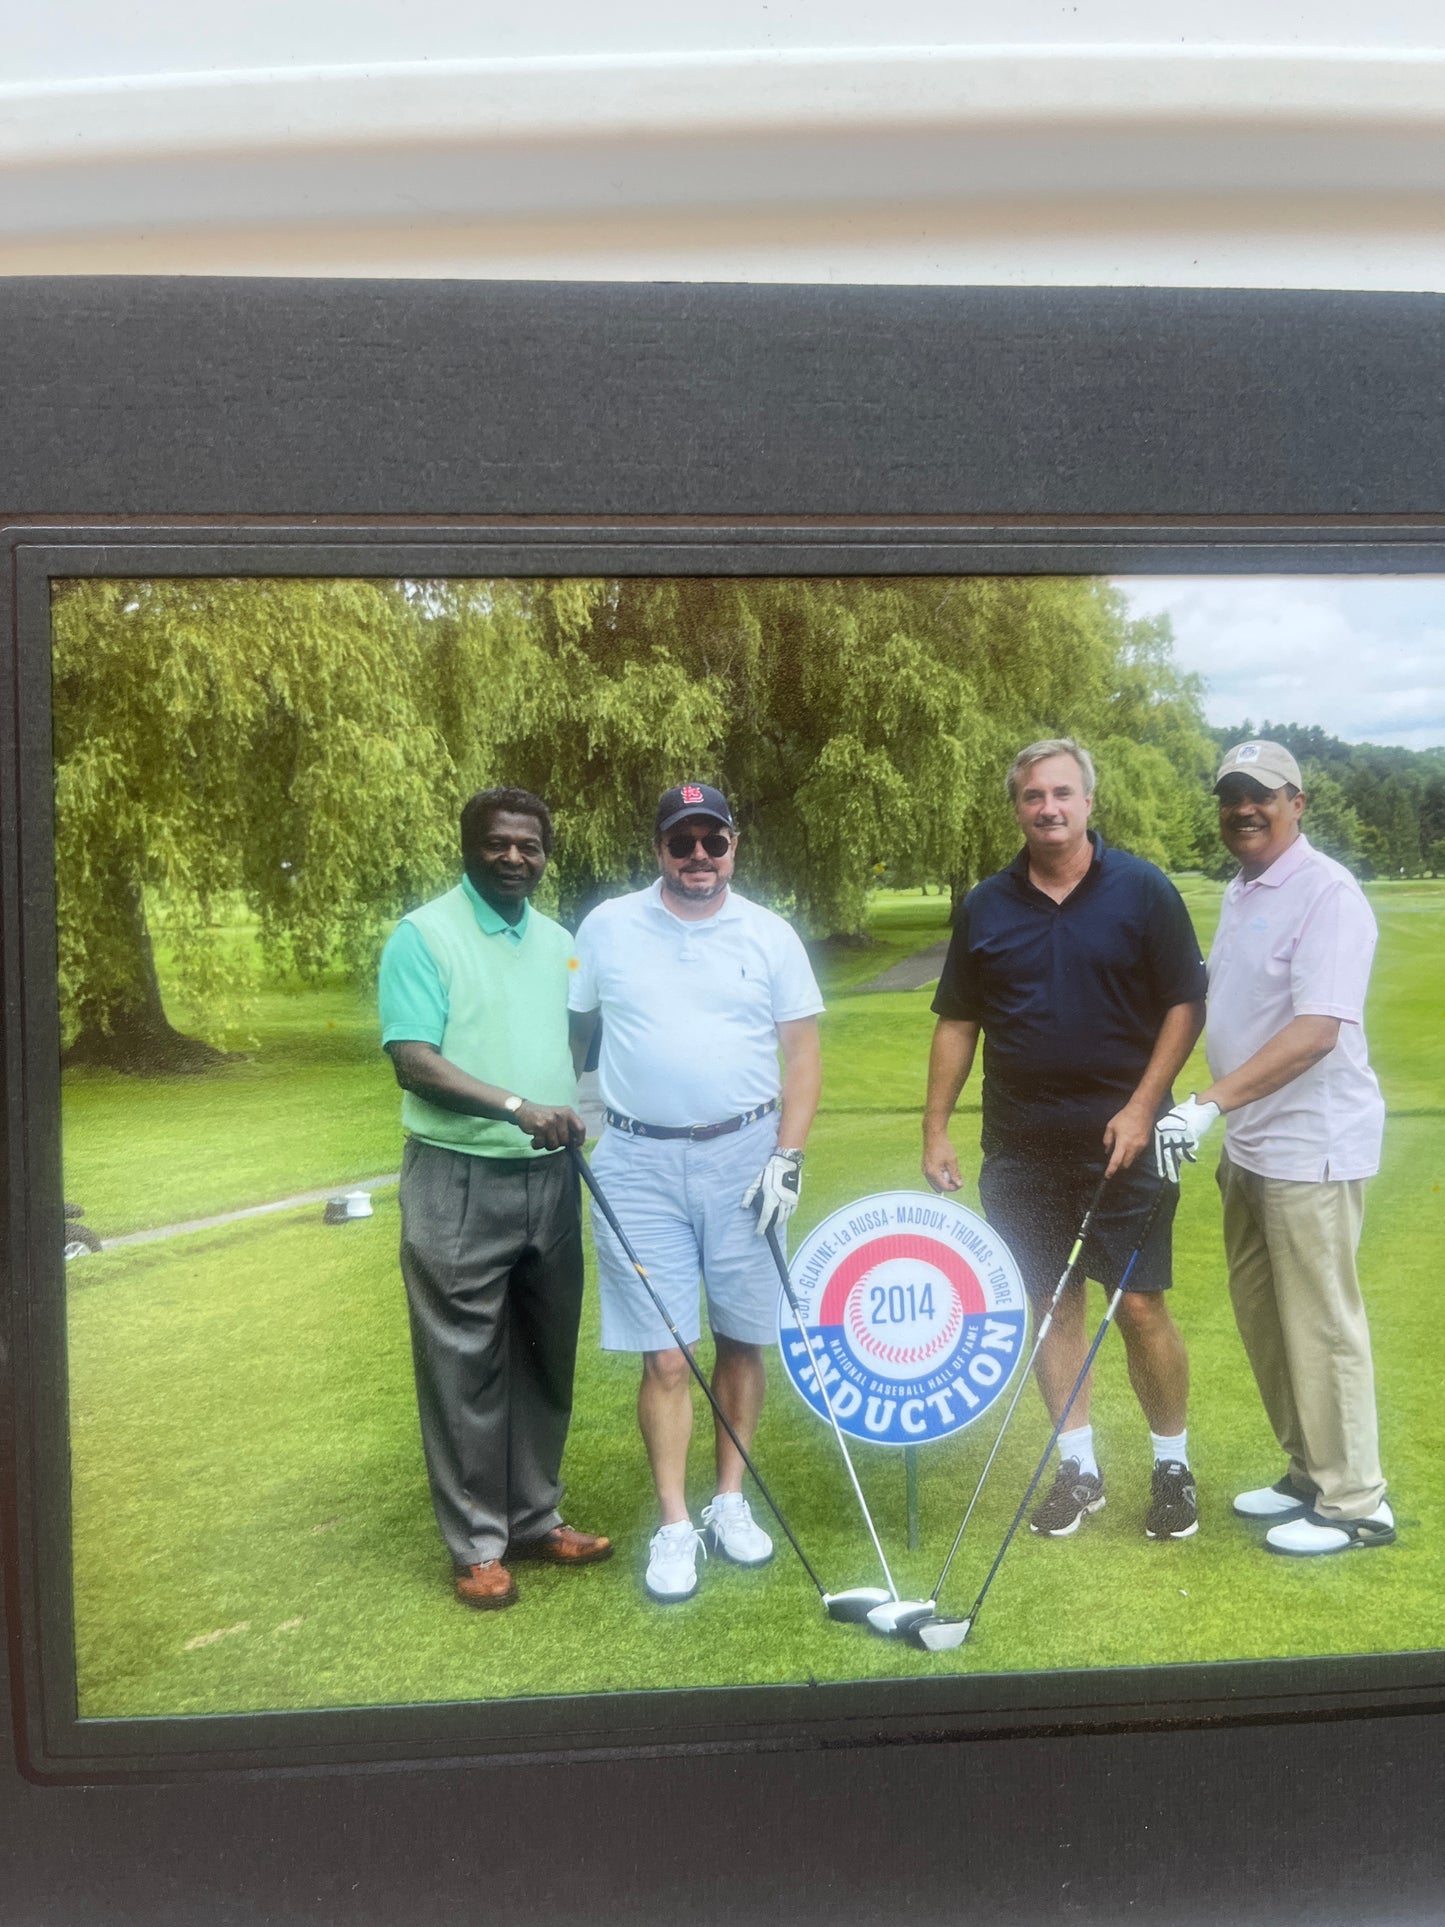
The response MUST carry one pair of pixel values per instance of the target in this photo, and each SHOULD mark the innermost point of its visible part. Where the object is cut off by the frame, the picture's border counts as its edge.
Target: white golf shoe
(1276, 1503)
(672, 1562)
(1309, 1536)
(734, 1531)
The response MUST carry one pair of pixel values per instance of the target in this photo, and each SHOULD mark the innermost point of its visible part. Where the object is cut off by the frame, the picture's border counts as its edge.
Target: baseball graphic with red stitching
(904, 1314)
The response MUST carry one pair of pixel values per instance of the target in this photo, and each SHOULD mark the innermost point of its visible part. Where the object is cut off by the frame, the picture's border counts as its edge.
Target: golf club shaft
(1077, 1387)
(780, 1260)
(1076, 1251)
(585, 1171)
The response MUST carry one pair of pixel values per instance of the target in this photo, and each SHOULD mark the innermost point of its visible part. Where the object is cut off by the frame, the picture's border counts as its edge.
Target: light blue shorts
(681, 1206)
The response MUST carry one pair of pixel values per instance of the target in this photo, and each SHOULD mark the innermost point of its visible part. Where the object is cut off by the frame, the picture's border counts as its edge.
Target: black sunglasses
(716, 843)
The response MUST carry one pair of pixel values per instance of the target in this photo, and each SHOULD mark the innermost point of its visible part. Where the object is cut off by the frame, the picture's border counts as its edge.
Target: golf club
(897, 1616)
(851, 1607)
(934, 1632)
(876, 1601)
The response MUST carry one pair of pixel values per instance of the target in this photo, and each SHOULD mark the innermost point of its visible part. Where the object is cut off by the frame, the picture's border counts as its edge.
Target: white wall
(1105, 141)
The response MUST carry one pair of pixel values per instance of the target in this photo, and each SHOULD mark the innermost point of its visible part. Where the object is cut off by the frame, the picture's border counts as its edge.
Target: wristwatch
(514, 1104)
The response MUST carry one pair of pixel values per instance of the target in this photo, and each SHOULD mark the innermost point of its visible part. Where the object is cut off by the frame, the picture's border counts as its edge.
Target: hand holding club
(551, 1127)
(773, 1193)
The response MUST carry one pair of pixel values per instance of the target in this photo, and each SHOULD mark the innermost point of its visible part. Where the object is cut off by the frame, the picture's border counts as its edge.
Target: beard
(697, 886)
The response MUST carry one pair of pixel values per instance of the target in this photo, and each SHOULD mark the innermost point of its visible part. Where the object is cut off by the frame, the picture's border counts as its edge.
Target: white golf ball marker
(917, 1315)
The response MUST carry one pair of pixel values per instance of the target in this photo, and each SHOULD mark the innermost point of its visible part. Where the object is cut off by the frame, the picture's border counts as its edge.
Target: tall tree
(221, 736)
(304, 747)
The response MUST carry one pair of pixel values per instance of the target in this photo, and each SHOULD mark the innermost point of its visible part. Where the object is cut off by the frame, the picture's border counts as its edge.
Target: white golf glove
(773, 1193)
(1178, 1134)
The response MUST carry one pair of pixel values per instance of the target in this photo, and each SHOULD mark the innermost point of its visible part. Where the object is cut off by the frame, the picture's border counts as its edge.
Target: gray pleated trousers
(491, 1253)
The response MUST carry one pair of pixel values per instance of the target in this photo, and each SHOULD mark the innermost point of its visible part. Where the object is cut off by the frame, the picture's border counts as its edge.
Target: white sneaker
(672, 1561)
(1307, 1537)
(735, 1532)
(1278, 1502)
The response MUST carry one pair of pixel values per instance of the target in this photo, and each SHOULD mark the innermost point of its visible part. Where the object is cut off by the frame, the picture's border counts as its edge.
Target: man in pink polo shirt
(1286, 1046)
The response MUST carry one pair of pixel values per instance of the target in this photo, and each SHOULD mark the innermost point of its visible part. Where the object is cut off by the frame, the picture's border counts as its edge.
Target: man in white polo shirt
(699, 992)
(1286, 1045)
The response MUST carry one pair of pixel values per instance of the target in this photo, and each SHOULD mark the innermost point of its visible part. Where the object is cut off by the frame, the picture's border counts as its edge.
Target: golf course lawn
(251, 1521)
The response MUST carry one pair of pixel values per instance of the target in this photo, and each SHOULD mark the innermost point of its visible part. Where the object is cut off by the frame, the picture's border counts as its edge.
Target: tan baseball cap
(1270, 765)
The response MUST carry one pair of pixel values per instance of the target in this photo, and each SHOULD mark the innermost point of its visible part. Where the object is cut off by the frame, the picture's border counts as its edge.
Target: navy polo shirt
(1070, 995)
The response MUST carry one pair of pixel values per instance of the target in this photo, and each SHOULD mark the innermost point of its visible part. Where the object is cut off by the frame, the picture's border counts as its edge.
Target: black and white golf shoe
(1174, 1503)
(1275, 1504)
(1311, 1536)
(1074, 1496)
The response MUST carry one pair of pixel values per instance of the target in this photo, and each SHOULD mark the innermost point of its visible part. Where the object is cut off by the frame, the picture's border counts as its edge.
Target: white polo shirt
(690, 1011)
(1297, 942)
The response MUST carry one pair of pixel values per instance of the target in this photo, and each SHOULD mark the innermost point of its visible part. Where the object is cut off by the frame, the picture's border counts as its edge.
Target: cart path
(913, 973)
(157, 1232)
(588, 1105)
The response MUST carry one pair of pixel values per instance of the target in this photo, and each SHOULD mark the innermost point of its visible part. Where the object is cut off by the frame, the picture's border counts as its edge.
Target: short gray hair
(1037, 752)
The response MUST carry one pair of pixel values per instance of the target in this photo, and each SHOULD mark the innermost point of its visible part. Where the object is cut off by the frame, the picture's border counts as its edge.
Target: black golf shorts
(1036, 1204)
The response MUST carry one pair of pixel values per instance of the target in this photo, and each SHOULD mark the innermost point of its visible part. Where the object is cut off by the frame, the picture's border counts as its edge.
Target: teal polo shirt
(492, 998)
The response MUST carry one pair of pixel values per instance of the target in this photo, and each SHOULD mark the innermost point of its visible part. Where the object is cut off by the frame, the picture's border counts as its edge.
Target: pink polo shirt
(1297, 942)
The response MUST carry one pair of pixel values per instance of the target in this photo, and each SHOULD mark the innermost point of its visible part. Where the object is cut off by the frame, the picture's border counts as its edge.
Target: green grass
(252, 1527)
(314, 1104)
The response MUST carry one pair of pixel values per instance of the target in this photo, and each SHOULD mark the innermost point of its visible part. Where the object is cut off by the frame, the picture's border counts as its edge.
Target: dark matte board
(135, 398)
(371, 397)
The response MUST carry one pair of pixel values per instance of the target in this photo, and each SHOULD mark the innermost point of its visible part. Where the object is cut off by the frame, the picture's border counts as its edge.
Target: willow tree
(856, 722)
(267, 738)
(604, 719)
(303, 748)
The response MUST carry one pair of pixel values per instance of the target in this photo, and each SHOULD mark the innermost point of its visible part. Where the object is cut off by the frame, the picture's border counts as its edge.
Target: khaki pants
(1291, 1252)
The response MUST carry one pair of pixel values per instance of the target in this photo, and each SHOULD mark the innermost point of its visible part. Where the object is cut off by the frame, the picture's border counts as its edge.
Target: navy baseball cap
(691, 799)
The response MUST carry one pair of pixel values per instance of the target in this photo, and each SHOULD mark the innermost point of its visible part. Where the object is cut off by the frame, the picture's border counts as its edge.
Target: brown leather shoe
(487, 1586)
(564, 1546)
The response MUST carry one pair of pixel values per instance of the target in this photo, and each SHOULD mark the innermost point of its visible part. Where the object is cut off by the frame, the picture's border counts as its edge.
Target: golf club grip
(1063, 1418)
(1076, 1252)
(584, 1170)
(781, 1261)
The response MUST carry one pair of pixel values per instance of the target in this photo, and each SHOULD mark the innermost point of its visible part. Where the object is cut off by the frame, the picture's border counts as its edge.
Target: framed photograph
(294, 569)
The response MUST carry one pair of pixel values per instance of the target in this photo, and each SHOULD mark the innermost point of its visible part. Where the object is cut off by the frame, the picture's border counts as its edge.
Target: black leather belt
(695, 1133)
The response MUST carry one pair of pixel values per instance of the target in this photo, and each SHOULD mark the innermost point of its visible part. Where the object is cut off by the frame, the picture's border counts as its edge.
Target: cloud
(1361, 656)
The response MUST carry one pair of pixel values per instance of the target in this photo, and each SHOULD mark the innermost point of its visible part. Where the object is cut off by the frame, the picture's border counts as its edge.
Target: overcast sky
(1362, 656)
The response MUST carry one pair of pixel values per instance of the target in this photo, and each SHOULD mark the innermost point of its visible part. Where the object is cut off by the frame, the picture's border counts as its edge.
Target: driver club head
(855, 1606)
(937, 1635)
(895, 1616)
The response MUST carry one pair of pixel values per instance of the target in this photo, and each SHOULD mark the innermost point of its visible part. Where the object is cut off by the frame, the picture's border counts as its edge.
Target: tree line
(303, 747)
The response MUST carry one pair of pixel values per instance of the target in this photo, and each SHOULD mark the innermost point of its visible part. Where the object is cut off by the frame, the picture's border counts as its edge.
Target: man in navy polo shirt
(1081, 969)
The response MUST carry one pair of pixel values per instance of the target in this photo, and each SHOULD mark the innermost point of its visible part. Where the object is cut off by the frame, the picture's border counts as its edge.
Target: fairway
(251, 1522)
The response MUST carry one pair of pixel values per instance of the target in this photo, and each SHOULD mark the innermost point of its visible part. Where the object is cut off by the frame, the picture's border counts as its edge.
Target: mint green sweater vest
(506, 1022)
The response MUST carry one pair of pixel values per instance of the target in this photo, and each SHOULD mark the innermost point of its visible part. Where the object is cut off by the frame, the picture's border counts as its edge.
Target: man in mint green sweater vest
(473, 996)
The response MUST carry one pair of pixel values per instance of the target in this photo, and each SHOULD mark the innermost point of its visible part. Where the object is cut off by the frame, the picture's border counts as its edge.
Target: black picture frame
(161, 426)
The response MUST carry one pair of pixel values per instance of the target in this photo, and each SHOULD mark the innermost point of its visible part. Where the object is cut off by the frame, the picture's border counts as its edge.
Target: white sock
(1170, 1451)
(1079, 1444)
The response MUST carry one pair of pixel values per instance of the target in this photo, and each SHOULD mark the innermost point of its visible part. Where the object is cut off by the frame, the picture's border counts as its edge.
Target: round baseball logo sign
(917, 1315)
